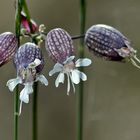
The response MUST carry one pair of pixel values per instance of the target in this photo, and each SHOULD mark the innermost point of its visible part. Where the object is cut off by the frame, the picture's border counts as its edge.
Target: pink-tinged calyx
(8, 47)
(59, 45)
(25, 24)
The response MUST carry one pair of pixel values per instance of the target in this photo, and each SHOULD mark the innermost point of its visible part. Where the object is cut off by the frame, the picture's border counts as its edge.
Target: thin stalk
(81, 86)
(34, 105)
(16, 114)
(34, 113)
(72, 37)
(16, 101)
(27, 15)
(77, 37)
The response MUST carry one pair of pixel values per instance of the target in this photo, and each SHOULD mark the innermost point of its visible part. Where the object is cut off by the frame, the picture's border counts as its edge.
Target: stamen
(68, 86)
(134, 63)
(72, 83)
(135, 57)
(20, 108)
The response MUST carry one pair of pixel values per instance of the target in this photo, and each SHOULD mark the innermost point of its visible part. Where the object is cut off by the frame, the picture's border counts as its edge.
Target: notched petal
(12, 83)
(83, 76)
(75, 77)
(57, 68)
(69, 59)
(59, 79)
(83, 62)
(42, 79)
(24, 94)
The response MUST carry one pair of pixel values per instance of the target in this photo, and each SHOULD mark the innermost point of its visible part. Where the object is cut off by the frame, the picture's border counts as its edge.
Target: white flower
(69, 67)
(28, 74)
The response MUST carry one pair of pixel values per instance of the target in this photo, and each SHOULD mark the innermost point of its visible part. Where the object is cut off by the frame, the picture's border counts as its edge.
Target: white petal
(83, 62)
(83, 76)
(12, 83)
(69, 59)
(59, 79)
(57, 68)
(24, 94)
(75, 76)
(35, 63)
(42, 79)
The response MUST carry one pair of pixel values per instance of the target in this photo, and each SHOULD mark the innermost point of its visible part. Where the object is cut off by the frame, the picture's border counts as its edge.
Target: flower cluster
(103, 40)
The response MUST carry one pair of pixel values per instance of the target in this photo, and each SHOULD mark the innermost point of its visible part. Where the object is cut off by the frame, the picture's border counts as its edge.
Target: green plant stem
(27, 15)
(34, 105)
(34, 113)
(77, 37)
(81, 86)
(16, 114)
(16, 101)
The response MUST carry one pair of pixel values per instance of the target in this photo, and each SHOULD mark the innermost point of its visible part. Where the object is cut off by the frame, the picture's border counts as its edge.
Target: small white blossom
(27, 78)
(69, 67)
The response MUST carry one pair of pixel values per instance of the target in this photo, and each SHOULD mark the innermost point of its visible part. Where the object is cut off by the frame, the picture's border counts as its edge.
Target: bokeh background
(112, 92)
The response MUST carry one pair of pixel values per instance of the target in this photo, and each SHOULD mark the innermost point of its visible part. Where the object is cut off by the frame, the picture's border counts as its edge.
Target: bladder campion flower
(107, 42)
(60, 49)
(29, 63)
(8, 46)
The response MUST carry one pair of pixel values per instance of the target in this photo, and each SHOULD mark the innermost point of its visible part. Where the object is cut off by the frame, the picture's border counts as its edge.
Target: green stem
(16, 101)
(81, 86)
(16, 114)
(34, 106)
(26, 10)
(77, 37)
(27, 15)
(34, 113)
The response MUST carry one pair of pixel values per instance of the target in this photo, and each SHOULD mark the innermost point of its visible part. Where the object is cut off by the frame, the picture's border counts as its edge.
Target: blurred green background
(112, 92)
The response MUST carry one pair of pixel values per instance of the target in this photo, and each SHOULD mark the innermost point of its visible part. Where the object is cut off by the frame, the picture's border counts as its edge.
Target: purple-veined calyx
(60, 48)
(8, 47)
(29, 64)
(107, 42)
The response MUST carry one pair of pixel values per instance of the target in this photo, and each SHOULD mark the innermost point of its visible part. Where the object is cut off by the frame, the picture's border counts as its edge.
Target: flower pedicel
(60, 49)
(29, 63)
(107, 42)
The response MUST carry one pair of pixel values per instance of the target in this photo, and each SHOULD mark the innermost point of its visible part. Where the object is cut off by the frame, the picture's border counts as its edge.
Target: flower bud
(8, 46)
(107, 42)
(26, 25)
(59, 45)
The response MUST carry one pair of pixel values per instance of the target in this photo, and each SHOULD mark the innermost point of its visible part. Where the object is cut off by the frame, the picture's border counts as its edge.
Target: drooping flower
(25, 24)
(60, 49)
(8, 46)
(29, 63)
(107, 42)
